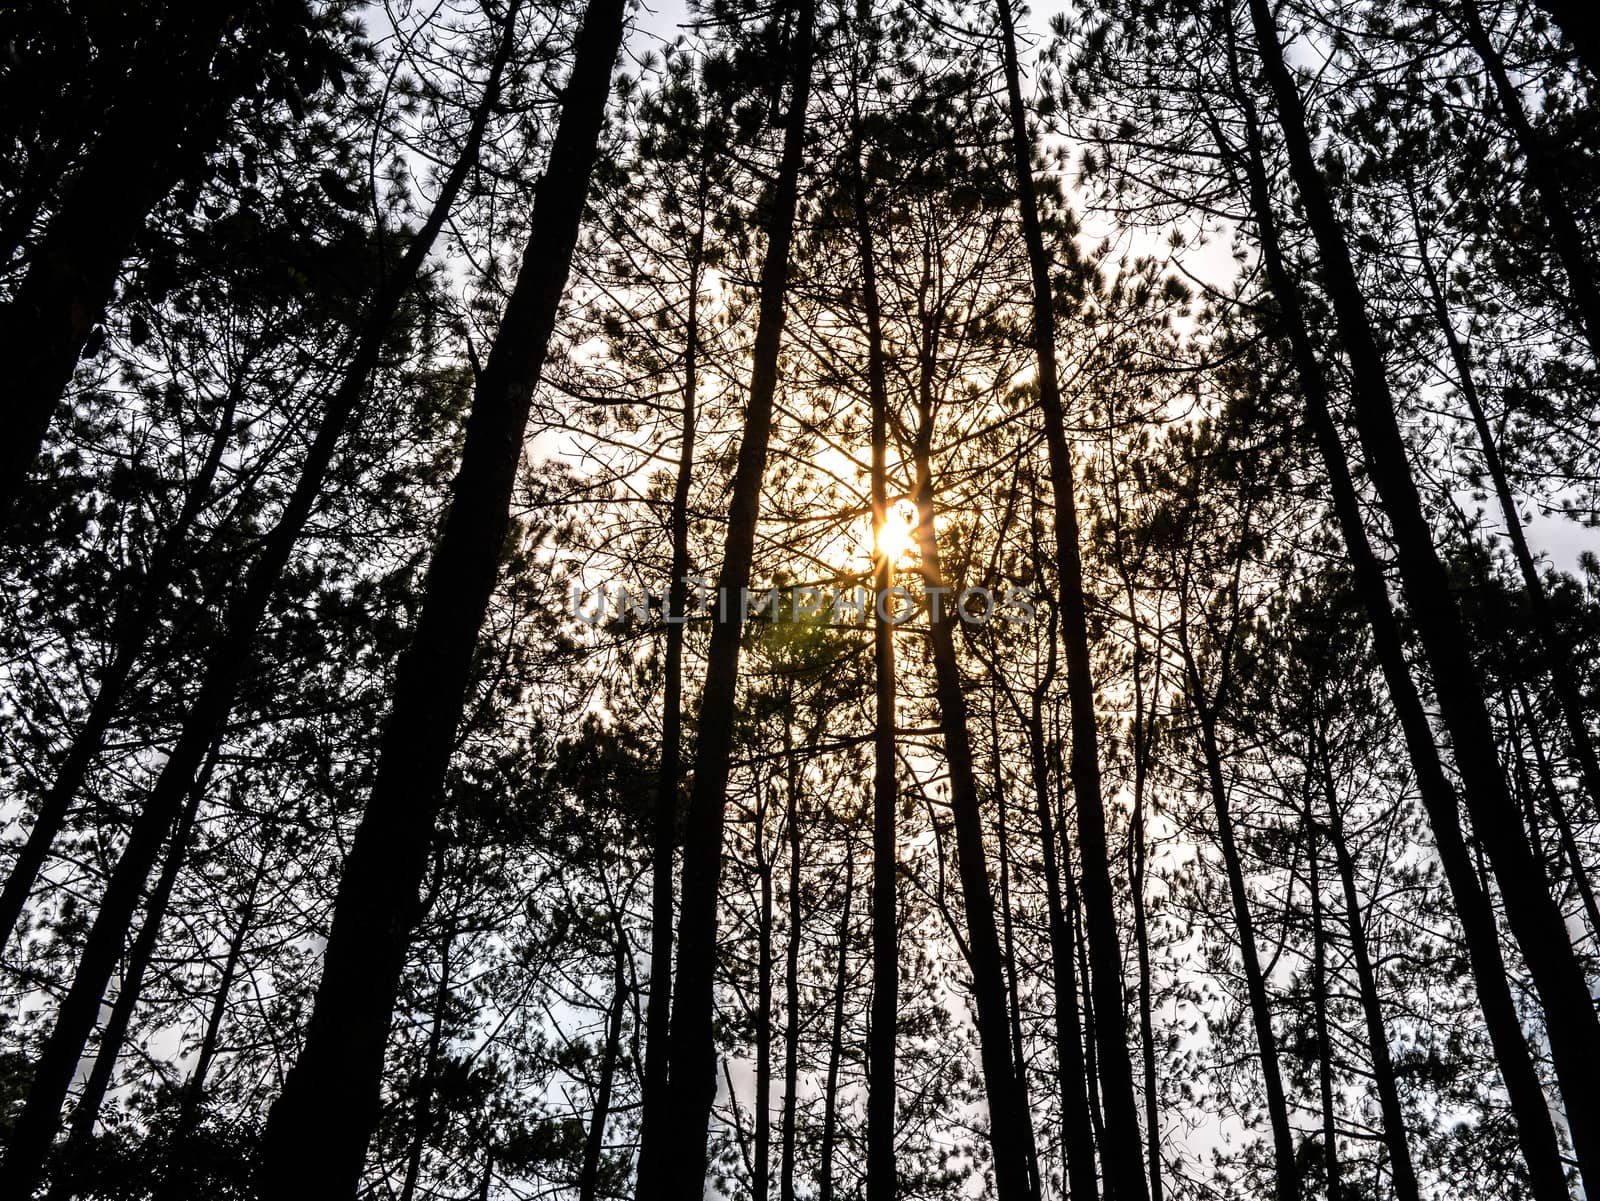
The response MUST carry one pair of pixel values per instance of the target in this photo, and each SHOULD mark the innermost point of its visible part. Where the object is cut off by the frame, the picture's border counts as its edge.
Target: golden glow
(898, 537)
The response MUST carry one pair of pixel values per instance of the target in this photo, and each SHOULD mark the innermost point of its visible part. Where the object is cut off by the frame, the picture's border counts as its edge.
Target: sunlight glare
(898, 538)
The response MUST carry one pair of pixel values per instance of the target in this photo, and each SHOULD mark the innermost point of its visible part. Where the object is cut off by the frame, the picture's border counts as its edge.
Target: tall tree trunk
(1403, 1177)
(881, 1177)
(1007, 1112)
(1545, 175)
(1557, 661)
(1286, 1170)
(330, 1099)
(1534, 917)
(1535, 1132)
(762, 1117)
(225, 668)
(692, 1063)
(1123, 1158)
(595, 1143)
(791, 986)
(1077, 1127)
(1009, 948)
(132, 628)
(830, 1091)
(171, 112)
(1319, 1005)
(658, 1010)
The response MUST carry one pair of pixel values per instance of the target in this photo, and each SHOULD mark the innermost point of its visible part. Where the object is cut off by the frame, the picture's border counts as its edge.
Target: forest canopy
(800, 601)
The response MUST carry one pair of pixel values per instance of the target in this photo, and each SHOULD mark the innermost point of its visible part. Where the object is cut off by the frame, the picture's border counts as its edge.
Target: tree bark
(595, 1142)
(330, 1099)
(1534, 918)
(1319, 1005)
(1286, 1170)
(881, 1177)
(1576, 19)
(86, 1113)
(791, 986)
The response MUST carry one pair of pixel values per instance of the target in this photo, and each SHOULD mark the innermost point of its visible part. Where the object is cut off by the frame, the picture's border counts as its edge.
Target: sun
(898, 538)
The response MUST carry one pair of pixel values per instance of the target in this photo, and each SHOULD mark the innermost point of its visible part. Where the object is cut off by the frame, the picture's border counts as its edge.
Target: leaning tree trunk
(595, 1140)
(330, 1100)
(1535, 1132)
(225, 668)
(1535, 919)
(86, 1112)
(1123, 1156)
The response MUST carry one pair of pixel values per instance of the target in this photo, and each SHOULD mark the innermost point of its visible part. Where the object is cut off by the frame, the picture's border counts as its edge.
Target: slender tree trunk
(1007, 1111)
(1556, 656)
(330, 1099)
(1009, 949)
(1123, 1158)
(762, 1117)
(132, 630)
(169, 116)
(1545, 175)
(1286, 1170)
(658, 1010)
(1141, 932)
(1403, 1177)
(1319, 1004)
(791, 985)
(1534, 917)
(830, 1092)
(1077, 1127)
(691, 1056)
(881, 1178)
(1535, 1132)
(595, 1143)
